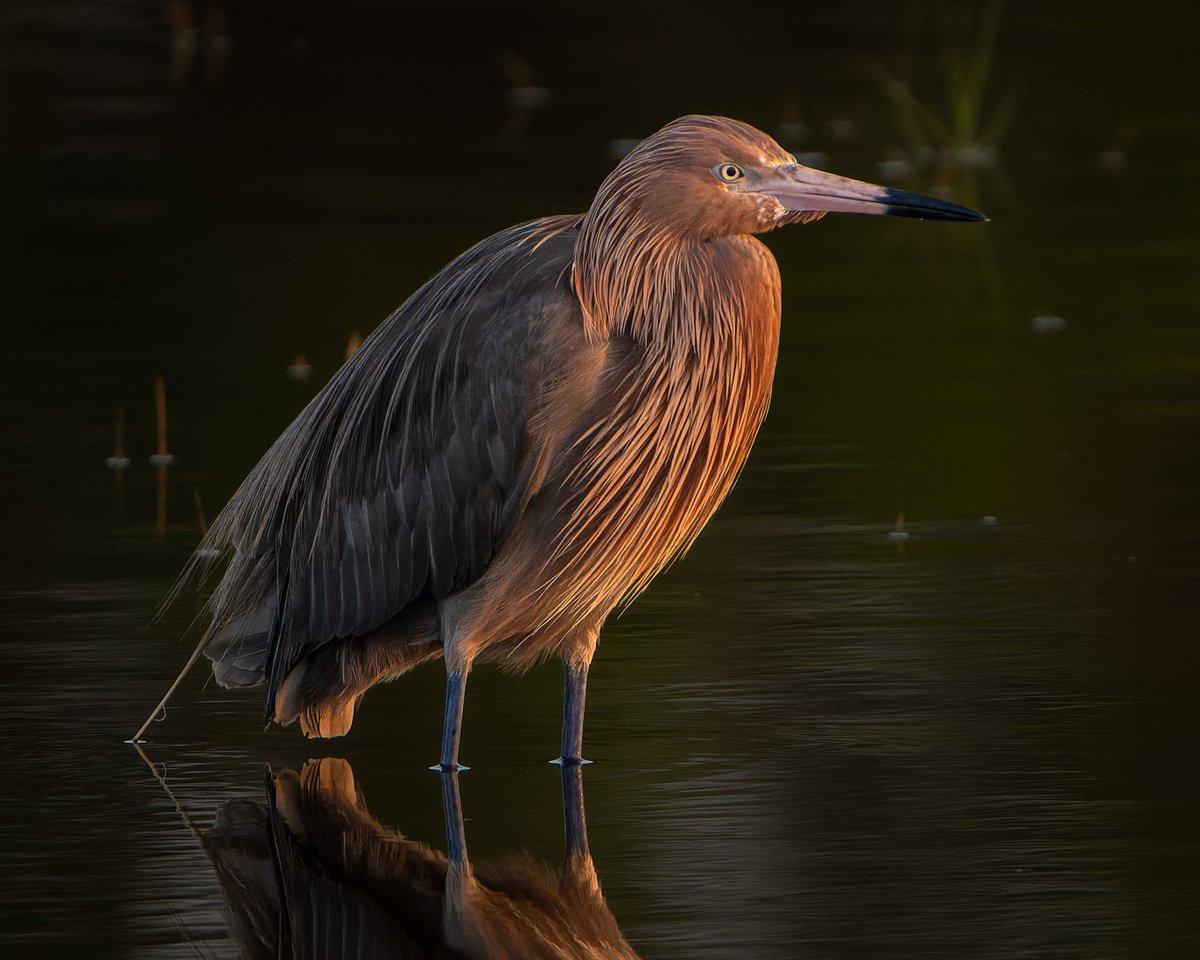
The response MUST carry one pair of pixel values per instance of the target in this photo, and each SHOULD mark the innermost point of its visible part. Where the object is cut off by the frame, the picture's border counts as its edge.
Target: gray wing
(401, 478)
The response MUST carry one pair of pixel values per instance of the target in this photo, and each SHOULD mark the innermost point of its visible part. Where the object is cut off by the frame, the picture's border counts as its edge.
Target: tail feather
(323, 690)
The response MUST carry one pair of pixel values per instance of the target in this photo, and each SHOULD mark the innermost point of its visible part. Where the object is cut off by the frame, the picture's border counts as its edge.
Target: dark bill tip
(901, 203)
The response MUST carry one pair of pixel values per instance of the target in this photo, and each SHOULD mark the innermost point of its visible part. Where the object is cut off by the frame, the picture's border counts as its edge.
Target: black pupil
(731, 172)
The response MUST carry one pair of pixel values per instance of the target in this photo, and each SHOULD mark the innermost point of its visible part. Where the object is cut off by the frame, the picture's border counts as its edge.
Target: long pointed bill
(801, 188)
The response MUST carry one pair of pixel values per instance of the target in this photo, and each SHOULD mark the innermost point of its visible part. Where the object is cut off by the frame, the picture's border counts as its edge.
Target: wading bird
(526, 442)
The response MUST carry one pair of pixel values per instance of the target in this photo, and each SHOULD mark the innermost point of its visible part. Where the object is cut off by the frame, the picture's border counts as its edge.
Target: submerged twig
(162, 782)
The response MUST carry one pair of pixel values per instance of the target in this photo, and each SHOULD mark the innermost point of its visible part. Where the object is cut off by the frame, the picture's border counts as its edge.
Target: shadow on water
(309, 872)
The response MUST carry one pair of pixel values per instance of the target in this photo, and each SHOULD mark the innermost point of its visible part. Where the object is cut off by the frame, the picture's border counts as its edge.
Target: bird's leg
(456, 688)
(574, 693)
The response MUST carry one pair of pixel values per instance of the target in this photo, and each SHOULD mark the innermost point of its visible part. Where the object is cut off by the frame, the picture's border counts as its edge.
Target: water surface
(812, 737)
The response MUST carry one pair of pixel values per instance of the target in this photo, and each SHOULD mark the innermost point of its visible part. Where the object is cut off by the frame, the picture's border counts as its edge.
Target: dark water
(812, 739)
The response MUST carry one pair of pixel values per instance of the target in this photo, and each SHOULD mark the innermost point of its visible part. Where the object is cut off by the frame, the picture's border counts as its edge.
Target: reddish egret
(526, 442)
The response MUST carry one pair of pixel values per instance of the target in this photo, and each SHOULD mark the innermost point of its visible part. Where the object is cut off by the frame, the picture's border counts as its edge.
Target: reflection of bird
(528, 440)
(314, 870)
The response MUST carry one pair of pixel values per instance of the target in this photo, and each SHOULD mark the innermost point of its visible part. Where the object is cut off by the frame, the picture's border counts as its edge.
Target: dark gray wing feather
(401, 477)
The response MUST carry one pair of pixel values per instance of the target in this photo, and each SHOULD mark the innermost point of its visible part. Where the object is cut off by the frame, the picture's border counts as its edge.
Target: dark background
(812, 740)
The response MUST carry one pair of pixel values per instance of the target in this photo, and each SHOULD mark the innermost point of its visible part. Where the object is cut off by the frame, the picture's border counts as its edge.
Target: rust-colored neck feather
(634, 280)
(635, 270)
(644, 258)
(680, 423)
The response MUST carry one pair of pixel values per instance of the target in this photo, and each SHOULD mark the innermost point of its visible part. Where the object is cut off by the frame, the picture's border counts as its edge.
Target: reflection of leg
(574, 695)
(574, 823)
(456, 687)
(460, 919)
(579, 881)
(456, 838)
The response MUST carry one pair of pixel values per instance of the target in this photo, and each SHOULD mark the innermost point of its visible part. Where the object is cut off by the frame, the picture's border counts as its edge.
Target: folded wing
(401, 478)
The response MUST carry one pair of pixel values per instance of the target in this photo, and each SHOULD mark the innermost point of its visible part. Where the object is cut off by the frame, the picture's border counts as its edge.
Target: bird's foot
(448, 768)
(570, 762)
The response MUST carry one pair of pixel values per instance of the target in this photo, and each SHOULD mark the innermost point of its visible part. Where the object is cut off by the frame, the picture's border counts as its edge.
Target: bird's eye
(729, 172)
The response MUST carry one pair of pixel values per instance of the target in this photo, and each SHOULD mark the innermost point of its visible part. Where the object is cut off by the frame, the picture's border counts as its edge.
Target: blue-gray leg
(574, 694)
(456, 688)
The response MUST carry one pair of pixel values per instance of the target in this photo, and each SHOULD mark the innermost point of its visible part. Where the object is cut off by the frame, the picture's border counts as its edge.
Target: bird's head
(704, 177)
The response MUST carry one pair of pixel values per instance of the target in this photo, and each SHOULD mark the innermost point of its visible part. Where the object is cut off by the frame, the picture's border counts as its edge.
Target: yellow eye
(729, 172)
